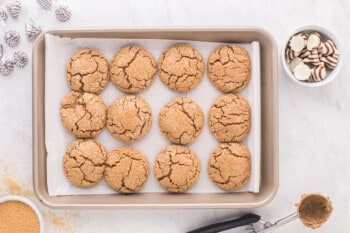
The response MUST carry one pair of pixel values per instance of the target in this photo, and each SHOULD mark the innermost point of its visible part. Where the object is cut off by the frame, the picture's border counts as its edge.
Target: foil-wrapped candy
(12, 38)
(14, 9)
(20, 58)
(6, 67)
(32, 30)
(46, 4)
(63, 13)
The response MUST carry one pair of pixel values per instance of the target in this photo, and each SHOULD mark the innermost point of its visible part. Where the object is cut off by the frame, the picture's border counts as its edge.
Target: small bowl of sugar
(19, 214)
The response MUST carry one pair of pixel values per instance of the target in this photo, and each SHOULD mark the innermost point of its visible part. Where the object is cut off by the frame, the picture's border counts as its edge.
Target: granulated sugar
(15, 216)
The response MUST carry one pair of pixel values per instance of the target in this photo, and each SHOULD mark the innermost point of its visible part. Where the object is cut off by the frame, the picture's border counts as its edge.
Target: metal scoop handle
(269, 227)
(222, 226)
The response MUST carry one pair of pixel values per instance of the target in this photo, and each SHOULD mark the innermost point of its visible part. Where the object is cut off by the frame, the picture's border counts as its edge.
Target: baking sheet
(59, 50)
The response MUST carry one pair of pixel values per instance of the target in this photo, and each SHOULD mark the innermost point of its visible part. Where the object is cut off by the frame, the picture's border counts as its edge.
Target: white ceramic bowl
(29, 203)
(325, 34)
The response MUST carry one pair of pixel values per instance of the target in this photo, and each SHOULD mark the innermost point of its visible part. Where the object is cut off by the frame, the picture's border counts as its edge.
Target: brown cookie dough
(229, 68)
(84, 162)
(87, 71)
(229, 166)
(129, 118)
(229, 118)
(126, 170)
(83, 114)
(181, 120)
(314, 209)
(132, 69)
(177, 168)
(181, 67)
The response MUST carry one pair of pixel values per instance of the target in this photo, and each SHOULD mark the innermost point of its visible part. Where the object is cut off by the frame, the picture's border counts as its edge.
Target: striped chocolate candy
(46, 4)
(318, 73)
(331, 61)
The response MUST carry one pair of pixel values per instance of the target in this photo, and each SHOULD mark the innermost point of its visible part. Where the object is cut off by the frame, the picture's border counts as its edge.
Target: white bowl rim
(27, 201)
(328, 34)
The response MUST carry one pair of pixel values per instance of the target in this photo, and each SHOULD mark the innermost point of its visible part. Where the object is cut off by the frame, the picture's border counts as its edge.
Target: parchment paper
(59, 50)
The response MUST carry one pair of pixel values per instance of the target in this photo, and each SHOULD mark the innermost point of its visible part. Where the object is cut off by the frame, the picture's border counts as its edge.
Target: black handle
(222, 226)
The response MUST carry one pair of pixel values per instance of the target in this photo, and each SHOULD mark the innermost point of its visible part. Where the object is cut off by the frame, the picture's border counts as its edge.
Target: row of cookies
(176, 167)
(129, 118)
(180, 67)
(229, 118)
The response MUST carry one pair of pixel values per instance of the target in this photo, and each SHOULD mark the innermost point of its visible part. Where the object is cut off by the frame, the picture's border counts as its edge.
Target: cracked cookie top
(177, 168)
(132, 69)
(229, 68)
(87, 71)
(129, 118)
(84, 162)
(181, 67)
(229, 118)
(126, 170)
(229, 166)
(83, 114)
(181, 120)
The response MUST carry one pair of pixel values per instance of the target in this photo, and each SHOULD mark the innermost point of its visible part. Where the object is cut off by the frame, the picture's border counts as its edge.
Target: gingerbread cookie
(83, 114)
(132, 69)
(229, 68)
(181, 120)
(181, 67)
(126, 170)
(177, 168)
(229, 166)
(129, 118)
(87, 71)
(84, 162)
(229, 118)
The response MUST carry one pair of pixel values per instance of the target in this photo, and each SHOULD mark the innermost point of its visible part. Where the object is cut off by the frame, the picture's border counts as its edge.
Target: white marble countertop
(314, 123)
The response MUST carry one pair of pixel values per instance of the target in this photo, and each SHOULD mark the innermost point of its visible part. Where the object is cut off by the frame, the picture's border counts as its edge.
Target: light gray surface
(314, 123)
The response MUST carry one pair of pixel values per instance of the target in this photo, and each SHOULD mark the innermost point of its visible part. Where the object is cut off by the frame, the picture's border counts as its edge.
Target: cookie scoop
(313, 210)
